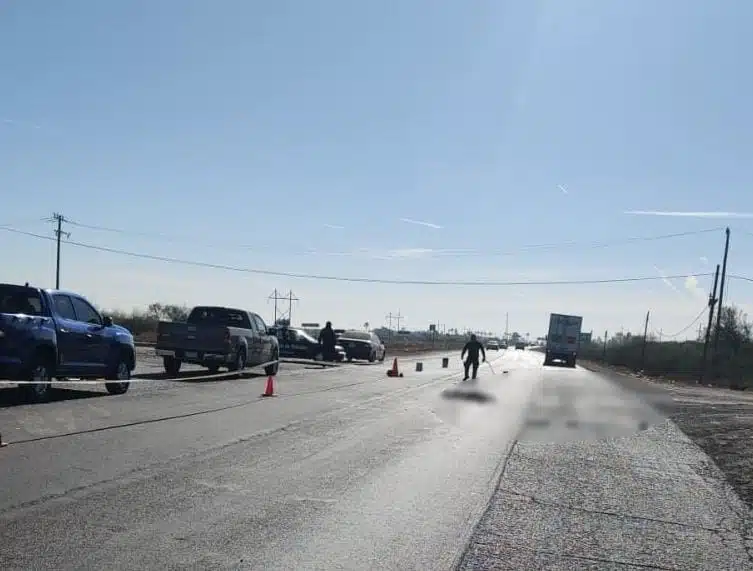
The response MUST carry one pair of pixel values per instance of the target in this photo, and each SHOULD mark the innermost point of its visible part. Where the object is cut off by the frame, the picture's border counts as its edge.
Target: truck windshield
(19, 299)
(217, 316)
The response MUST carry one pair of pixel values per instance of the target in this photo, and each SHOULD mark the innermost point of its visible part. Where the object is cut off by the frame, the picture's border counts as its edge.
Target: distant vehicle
(563, 339)
(215, 337)
(503, 345)
(297, 343)
(492, 346)
(46, 334)
(362, 345)
(520, 345)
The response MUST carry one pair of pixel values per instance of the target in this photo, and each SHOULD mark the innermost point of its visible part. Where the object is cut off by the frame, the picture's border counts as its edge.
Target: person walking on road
(473, 347)
(327, 341)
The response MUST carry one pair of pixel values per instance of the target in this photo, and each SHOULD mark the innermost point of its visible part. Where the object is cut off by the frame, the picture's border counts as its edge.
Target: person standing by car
(473, 347)
(327, 341)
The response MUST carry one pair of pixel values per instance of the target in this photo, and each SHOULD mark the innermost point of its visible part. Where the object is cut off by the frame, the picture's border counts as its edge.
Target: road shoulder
(653, 500)
(718, 420)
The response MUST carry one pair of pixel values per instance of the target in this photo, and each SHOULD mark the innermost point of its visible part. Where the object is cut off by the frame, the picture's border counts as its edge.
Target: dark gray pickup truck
(46, 334)
(215, 337)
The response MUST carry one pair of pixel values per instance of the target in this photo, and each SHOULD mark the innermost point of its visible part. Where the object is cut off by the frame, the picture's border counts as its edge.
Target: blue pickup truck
(46, 334)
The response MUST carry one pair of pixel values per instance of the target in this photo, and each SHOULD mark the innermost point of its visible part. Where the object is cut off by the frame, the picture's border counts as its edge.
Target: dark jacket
(473, 348)
(327, 337)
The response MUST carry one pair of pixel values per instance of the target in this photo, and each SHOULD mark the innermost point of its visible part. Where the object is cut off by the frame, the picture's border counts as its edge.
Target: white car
(492, 345)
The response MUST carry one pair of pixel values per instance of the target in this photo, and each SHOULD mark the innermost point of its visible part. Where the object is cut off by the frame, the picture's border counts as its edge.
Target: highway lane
(346, 469)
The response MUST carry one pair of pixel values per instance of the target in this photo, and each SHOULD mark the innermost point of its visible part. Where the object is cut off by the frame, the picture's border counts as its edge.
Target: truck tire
(372, 356)
(39, 378)
(172, 366)
(240, 360)
(213, 369)
(271, 370)
(119, 374)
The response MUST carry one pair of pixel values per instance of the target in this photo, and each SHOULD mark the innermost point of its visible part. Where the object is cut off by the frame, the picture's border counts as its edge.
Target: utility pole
(291, 299)
(645, 340)
(507, 323)
(279, 314)
(275, 297)
(712, 302)
(390, 316)
(59, 218)
(721, 293)
(604, 350)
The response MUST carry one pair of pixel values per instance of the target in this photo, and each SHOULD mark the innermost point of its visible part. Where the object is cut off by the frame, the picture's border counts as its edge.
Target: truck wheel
(213, 369)
(120, 372)
(40, 378)
(372, 357)
(172, 366)
(240, 361)
(271, 370)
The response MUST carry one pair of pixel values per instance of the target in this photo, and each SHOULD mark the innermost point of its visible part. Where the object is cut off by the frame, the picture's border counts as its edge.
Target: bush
(731, 365)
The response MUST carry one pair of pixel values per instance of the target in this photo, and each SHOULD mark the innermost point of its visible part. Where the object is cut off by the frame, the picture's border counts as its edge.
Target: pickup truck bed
(215, 337)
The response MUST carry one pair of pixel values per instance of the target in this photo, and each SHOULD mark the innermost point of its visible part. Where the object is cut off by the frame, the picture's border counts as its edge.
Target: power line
(430, 253)
(691, 324)
(195, 263)
(743, 278)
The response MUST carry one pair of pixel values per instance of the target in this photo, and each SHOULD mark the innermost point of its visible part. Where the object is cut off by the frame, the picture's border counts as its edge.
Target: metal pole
(645, 341)
(604, 350)
(59, 233)
(712, 302)
(721, 292)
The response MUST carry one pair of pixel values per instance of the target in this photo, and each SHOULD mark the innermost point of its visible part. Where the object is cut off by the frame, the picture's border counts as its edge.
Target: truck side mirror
(107, 321)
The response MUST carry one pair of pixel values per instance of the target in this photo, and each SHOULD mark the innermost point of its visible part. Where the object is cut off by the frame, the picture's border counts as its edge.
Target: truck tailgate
(176, 335)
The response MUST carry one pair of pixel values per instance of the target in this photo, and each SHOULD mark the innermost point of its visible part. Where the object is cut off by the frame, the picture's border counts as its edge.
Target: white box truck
(563, 339)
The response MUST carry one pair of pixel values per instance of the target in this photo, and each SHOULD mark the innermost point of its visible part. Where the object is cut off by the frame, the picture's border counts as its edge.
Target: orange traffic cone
(270, 390)
(394, 372)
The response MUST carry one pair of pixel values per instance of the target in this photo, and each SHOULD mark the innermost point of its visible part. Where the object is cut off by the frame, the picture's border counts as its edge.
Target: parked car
(50, 334)
(215, 337)
(492, 346)
(297, 343)
(520, 345)
(362, 345)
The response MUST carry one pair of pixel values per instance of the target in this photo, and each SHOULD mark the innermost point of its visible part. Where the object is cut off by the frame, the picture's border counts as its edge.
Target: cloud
(409, 252)
(691, 284)
(334, 226)
(679, 214)
(19, 123)
(420, 223)
(562, 188)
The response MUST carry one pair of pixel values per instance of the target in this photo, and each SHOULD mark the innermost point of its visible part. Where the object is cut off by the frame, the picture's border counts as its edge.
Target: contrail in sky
(708, 214)
(420, 223)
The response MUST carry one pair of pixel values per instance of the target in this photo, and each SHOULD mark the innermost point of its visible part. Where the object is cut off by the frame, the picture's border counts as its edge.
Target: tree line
(730, 365)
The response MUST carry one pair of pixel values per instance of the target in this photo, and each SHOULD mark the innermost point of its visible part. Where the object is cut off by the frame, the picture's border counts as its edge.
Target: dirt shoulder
(718, 420)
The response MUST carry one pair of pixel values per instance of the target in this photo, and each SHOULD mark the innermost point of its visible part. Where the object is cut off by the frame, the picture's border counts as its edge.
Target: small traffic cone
(270, 390)
(394, 371)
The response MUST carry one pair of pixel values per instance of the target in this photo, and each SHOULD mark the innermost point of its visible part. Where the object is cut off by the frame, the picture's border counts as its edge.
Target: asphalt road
(526, 468)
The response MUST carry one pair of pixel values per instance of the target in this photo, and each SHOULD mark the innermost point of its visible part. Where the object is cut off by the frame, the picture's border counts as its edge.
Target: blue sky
(274, 135)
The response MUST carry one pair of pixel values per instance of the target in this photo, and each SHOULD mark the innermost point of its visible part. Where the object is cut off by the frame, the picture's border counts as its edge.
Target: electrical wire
(428, 252)
(344, 278)
(684, 329)
(743, 278)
